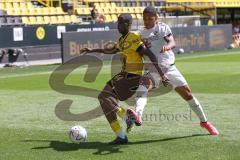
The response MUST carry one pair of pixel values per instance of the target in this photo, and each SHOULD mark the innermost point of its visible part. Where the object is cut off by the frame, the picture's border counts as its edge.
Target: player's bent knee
(144, 81)
(185, 92)
(142, 91)
(188, 96)
(101, 97)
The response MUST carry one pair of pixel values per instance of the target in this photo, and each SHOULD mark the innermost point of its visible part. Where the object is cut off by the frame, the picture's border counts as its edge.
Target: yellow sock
(116, 126)
(121, 112)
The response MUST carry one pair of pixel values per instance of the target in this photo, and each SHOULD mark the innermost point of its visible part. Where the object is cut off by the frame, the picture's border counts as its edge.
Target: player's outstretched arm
(146, 51)
(108, 49)
(90, 50)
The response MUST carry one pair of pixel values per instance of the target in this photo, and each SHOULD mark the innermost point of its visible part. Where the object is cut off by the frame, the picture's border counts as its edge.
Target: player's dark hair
(150, 10)
(126, 18)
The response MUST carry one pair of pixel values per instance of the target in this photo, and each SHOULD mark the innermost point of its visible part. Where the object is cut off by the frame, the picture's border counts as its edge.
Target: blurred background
(31, 29)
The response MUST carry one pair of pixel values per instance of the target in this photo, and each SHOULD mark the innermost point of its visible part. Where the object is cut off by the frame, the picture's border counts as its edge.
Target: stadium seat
(102, 5)
(52, 10)
(106, 10)
(40, 20)
(61, 19)
(108, 18)
(29, 5)
(39, 11)
(97, 5)
(47, 19)
(125, 10)
(10, 11)
(32, 20)
(83, 11)
(53, 20)
(25, 11)
(17, 11)
(132, 10)
(139, 9)
(16, 5)
(113, 4)
(87, 11)
(114, 17)
(67, 19)
(134, 16)
(119, 10)
(59, 10)
(74, 19)
(32, 11)
(2, 6)
(45, 11)
(108, 5)
(112, 10)
(139, 16)
(25, 20)
(9, 5)
(100, 10)
(23, 5)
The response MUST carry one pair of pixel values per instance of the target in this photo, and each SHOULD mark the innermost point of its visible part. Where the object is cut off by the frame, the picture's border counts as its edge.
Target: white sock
(121, 134)
(141, 99)
(197, 108)
(141, 102)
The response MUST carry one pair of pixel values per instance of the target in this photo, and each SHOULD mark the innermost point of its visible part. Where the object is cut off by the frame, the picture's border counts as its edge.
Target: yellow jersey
(131, 59)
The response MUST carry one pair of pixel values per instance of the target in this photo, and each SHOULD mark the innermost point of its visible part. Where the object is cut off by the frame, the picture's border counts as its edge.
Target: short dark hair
(126, 17)
(150, 10)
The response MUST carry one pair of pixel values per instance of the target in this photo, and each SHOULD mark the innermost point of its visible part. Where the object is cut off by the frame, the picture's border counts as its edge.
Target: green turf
(29, 128)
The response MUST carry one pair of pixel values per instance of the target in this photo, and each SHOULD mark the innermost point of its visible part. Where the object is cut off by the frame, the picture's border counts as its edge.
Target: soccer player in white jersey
(159, 38)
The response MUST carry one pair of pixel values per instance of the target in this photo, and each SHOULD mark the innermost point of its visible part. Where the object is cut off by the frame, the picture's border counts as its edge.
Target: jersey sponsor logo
(154, 38)
(125, 45)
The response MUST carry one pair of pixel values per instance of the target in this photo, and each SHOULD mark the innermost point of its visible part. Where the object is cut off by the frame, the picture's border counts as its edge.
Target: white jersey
(156, 36)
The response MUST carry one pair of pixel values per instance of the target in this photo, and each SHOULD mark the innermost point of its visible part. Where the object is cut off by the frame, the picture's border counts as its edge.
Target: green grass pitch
(29, 128)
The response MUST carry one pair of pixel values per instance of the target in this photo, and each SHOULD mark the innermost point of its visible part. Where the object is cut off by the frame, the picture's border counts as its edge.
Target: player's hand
(165, 80)
(108, 47)
(85, 51)
(146, 42)
(165, 48)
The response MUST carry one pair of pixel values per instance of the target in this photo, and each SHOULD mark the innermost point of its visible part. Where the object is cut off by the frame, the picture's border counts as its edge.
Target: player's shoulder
(163, 28)
(162, 25)
(134, 35)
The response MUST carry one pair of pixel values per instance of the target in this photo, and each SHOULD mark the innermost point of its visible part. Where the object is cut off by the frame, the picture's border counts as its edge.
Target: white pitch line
(24, 75)
(208, 55)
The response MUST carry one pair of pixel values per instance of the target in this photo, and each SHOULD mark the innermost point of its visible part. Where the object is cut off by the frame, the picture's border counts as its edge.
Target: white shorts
(175, 77)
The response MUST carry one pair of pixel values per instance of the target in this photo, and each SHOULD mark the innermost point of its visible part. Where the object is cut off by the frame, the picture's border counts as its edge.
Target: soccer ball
(181, 50)
(77, 134)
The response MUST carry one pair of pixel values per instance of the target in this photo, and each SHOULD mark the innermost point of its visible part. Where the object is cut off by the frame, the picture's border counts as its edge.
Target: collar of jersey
(122, 39)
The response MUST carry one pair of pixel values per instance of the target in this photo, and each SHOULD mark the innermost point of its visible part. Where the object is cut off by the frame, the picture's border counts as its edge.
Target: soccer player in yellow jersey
(122, 85)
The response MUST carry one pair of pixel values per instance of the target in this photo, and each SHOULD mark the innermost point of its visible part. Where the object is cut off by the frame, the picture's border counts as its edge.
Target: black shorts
(124, 84)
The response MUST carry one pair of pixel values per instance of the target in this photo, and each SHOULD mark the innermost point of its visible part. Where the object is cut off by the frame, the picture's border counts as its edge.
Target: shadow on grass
(102, 148)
